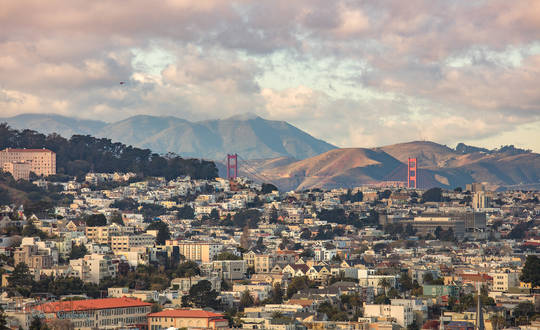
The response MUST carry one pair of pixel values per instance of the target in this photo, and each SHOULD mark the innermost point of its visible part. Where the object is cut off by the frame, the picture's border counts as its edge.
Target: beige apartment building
(104, 234)
(197, 251)
(33, 258)
(40, 161)
(502, 281)
(93, 267)
(262, 263)
(126, 243)
(19, 170)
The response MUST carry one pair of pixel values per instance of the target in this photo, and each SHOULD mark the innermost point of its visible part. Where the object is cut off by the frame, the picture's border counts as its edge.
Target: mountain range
(438, 165)
(250, 136)
(277, 152)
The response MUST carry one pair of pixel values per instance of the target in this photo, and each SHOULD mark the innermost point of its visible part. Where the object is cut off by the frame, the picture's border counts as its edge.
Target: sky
(354, 73)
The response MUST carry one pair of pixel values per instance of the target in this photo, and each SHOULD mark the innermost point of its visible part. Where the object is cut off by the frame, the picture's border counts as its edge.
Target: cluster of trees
(350, 197)
(201, 295)
(340, 217)
(520, 230)
(22, 282)
(243, 218)
(444, 235)
(83, 153)
(397, 230)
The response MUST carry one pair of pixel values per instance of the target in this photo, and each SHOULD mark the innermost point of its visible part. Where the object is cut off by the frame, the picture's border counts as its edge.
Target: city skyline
(352, 74)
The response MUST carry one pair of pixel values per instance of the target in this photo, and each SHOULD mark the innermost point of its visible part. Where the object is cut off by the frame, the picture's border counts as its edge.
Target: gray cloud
(437, 69)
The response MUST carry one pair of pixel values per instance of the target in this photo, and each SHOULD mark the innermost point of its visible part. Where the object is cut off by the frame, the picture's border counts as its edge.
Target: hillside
(84, 153)
(250, 136)
(438, 166)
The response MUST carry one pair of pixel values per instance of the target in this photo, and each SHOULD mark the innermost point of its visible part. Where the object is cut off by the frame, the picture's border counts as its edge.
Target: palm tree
(385, 283)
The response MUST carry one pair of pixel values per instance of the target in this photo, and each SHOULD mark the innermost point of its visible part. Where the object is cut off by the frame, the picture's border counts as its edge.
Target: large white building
(20, 162)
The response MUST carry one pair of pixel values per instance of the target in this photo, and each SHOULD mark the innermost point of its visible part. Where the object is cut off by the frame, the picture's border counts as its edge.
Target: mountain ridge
(247, 134)
(438, 165)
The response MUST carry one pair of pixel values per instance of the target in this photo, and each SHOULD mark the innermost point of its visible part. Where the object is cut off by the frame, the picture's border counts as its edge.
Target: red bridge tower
(411, 173)
(232, 166)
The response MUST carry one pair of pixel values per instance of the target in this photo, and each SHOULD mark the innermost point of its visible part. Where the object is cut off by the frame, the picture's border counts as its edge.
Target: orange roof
(26, 150)
(90, 304)
(301, 302)
(188, 313)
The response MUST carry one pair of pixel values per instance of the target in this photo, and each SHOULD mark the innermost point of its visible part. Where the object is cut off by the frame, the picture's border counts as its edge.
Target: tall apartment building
(480, 200)
(197, 251)
(40, 161)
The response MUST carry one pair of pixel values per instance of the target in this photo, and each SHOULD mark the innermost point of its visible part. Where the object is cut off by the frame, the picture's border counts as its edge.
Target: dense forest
(83, 153)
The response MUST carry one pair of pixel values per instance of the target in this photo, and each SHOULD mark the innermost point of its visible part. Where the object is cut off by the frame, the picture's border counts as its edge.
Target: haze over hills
(250, 136)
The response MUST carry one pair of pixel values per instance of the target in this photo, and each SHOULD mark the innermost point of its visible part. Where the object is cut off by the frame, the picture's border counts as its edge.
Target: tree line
(84, 153)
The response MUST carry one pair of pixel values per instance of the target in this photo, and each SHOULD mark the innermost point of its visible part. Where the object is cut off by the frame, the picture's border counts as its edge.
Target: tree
(297, 283)
(201, 295)
(432, 195)
(214, 214)
(77, 251)
(186, 212)
(126, 204)
(30, 230)
(447, 235)
(246, 300)
(94, 220)
(227, 256)
(116, 217)
(188, 269)
(163, 231)
(306, 234)
(405, 282)
(385, 283)
(20, 276)
(267, 188)
(244, 238)
(438, 232)
(531, 271)
(277, 294)
(522, 312)
(273, 217)
(3, 321)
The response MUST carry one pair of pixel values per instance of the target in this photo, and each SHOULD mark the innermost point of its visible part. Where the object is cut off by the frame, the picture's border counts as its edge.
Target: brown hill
(438, 166)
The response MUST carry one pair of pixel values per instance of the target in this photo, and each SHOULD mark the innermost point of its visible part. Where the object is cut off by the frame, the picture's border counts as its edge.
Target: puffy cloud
(425, 69)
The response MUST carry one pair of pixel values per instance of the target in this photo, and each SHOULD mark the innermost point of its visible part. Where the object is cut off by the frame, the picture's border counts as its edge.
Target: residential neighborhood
(122, 252)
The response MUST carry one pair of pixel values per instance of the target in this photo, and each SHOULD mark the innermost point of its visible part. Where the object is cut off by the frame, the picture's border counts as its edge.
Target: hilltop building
(20, 162)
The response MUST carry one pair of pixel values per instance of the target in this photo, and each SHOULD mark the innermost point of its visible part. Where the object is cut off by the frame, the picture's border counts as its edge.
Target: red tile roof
(26, 150)
(187, 313)
(90, 304)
